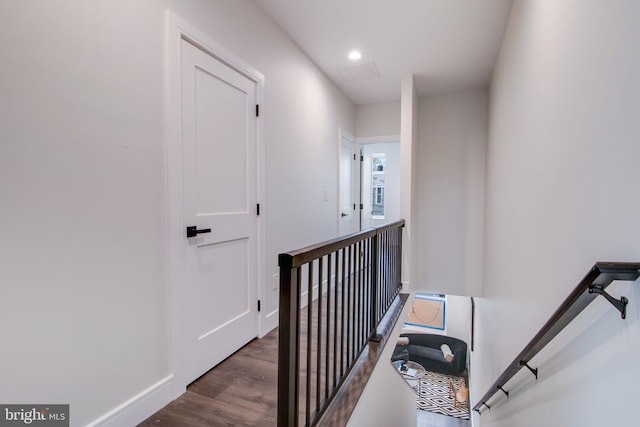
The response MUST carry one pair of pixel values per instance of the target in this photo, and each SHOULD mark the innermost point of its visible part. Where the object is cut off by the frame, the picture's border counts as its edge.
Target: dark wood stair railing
(592, 285)
(358, 277)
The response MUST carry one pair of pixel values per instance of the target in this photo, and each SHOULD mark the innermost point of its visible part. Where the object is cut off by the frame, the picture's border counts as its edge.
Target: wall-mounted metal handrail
(592, 285)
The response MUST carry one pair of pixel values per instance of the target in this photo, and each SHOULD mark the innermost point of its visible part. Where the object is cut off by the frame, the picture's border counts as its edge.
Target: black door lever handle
(192, 231)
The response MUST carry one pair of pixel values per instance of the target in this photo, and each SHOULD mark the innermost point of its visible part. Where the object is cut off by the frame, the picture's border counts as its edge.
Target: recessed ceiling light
(355, 55)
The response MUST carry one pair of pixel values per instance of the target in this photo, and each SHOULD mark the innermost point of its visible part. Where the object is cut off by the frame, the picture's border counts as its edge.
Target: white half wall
(561, 194)
(451, 182)
(83, 252)
(387, 399)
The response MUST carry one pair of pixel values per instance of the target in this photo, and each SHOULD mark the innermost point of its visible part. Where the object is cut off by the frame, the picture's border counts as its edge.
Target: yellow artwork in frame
(428, 311)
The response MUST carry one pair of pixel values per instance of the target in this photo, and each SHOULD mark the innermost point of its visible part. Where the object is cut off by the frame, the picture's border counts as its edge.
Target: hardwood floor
(240, 391)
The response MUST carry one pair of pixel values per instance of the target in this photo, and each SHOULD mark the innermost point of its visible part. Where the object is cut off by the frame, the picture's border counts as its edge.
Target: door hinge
(258, 305)
(258, 209)
(257, 110)
(361, 206)
(354, 156)
(361, 158)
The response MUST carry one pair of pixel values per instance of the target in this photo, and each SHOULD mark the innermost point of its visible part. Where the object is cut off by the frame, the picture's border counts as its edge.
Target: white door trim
(362, 140)
(343, 133)
(178, 30)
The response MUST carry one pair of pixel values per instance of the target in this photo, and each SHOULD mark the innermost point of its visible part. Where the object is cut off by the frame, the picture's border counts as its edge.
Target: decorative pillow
(446, 353)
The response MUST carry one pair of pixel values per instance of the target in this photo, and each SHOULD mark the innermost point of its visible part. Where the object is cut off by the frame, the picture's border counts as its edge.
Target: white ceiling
(449, 45)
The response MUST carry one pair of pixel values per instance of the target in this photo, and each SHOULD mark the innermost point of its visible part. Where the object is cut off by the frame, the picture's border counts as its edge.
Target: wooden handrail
(307, 254)
(593, 284)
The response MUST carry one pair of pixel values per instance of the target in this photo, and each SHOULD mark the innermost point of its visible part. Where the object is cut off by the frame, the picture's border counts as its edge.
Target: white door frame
(363, 140)
(178, 30)
(343, 133)
(370, 140)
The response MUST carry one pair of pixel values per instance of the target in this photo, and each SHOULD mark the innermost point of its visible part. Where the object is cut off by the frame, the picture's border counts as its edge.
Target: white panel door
(348, 219)
(219, 175)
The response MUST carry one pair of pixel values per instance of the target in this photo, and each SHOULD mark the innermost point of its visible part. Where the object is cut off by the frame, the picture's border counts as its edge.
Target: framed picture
(428, 311)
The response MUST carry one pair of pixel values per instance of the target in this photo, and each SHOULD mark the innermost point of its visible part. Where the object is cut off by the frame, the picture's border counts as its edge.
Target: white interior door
(348, 207)
(219, 174)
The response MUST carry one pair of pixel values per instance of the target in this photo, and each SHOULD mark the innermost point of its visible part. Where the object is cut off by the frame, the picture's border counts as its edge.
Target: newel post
(288, 343)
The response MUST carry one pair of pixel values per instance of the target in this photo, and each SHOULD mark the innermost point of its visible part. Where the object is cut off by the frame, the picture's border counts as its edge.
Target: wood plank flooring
(240, 391)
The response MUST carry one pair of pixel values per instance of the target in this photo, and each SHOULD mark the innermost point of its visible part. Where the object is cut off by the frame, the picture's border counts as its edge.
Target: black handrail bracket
(534, 371)
(619, 304)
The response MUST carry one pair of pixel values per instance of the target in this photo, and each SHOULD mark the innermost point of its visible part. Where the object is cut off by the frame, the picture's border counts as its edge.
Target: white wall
(409, 176)
(451, 172)
(561, 184)
(84, 307)
(458, 321)
(378, 119)
(387, 400)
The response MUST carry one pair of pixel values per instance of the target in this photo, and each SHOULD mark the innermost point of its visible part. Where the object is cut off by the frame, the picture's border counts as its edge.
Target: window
(377, 185)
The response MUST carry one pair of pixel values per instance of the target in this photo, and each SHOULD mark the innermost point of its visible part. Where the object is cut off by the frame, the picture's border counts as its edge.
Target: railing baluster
(392, 286)
(392, 262)
(398, 254)
(366, 332)
(328, 334)
(343, 311)
(361, 293)
(385, 271)
(352, 290)
(400, 260)
(363, 296)
(357, 310)
(385, 268)
(348, 308)
(335, 319)
(367, 285)
(319, 342)
(309, 342)
(389, 267)
(374, 288)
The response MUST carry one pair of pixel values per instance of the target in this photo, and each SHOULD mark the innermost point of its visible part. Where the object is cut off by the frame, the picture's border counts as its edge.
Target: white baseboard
(140, 406)
(268, 323)
(274, 313)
